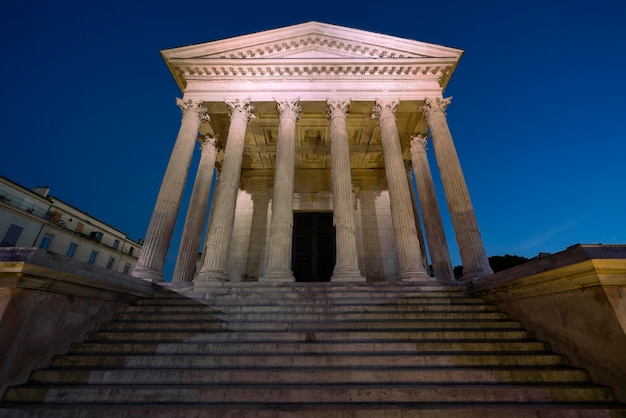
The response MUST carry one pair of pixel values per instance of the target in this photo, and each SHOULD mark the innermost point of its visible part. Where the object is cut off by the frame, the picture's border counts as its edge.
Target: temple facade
(315, 132)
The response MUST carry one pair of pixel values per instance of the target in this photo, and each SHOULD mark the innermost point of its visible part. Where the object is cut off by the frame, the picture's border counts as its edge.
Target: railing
(28, 206)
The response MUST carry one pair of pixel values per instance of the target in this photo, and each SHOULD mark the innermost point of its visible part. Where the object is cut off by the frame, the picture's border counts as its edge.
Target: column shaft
(435, 235)
(407, 244)
(161, 227)
(279, 262)
(471, 247)
(217, 243)
(347, 262)
(196, 213)
(416, 217)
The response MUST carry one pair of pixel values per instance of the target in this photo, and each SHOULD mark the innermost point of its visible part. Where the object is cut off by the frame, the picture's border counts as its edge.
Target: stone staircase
(311, 350)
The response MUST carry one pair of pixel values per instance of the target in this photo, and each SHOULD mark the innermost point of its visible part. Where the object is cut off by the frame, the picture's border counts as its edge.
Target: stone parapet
(49, 301)
(576, 301)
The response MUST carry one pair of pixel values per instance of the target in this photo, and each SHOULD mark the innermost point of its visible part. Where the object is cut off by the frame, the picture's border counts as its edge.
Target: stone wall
(48, 302)
(576, 301)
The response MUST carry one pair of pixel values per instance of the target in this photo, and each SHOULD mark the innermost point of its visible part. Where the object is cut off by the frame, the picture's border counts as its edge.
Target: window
(116, 244)
(71, 249)
(126, 268)
(131, 250)
(110, 263)
(96, 236)
(12, 235)
(92, 257)
(46, 241)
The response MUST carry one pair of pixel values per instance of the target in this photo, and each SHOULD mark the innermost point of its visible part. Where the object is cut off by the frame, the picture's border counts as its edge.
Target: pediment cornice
(314, 51)
(336, 69)
(292, 40)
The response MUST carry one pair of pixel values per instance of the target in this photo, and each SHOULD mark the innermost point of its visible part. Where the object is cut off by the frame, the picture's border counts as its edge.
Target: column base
(415, 275)
(278, 276)
(208, 285)
(473, 273)
(211, 276)
(347, 275)
(148, 274)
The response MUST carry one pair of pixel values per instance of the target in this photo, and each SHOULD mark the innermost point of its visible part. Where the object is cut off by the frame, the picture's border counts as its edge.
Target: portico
(314, 118)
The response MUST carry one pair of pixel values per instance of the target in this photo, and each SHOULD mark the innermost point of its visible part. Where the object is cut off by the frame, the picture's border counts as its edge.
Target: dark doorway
(313, 256)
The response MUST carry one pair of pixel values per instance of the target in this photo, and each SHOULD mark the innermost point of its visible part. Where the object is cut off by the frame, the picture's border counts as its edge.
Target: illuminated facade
(34, 218)
(312, 128)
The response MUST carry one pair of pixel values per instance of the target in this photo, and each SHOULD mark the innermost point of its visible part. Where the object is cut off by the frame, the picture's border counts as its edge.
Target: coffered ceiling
(313, 136)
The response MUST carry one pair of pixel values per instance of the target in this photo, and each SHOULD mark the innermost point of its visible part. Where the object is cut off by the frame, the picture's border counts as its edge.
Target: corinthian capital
(240, 108)
(435, 107)
(208, 144)
(419, 142)
(288, 108)
(191, 107)
(385, 109)
(337, 108)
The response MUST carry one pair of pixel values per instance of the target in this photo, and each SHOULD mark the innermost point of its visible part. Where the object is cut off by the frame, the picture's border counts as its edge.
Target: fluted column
(435, 236)
(161, 227)
(217, 243)
(471, 247)
(196, 213)
(281, 228)
(347, 262)
(416, 216)
(407, 244)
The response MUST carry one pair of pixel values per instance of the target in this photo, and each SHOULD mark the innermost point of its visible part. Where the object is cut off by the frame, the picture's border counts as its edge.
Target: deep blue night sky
(538, 114)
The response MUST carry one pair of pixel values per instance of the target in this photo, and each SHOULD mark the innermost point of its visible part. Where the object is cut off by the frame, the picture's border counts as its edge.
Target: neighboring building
(33, 218)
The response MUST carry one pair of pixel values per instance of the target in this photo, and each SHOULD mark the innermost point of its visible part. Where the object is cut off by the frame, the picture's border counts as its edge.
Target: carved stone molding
(240, 108)
(435, 107)
(337, 108)
(208, 143)
(192, 107)
(289, 108)
(385, 109)
(419, 142)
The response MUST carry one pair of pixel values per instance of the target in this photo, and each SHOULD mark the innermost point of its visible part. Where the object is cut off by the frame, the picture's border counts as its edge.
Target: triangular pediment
(312, 40)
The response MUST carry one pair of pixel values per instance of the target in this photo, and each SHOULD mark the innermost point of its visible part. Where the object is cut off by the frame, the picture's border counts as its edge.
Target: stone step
(326, 410)
(327, 393)
(304, 410)
(362, 299)
(352, 294)
(279, 359)
(310, 316)
(311, 350)
(363, 375)
(194, 336)
(315, 308)
(398, 291)
(256, 287)
(408, 325)
(352, 347)
(347, 300)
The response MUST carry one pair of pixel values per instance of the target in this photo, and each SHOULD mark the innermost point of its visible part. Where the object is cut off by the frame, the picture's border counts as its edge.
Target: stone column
(471, 248)
(159, 234)
(407, 244)
(347, 261)
(217, 242)
(196, 213)
(435, 236)
(416, 216)
(281, 228)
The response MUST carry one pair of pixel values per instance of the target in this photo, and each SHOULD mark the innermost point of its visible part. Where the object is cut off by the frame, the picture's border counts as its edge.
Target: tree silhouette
(497, 263)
